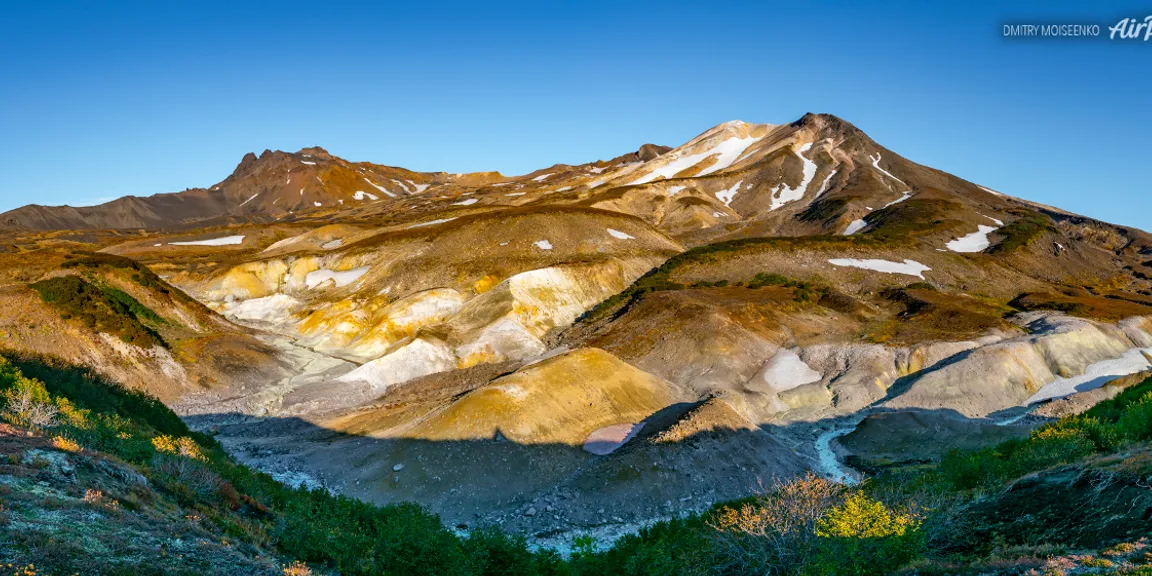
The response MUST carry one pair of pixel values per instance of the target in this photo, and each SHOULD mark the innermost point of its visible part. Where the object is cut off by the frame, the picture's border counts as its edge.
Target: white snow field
(432, 222)
(785, 371)
(974, 242)
(783, 193)
(224, 241)
(620, 235)
(904, 196)
(1096, 375)
(876, 165)
(854, 227)
(380, 188)
(824, 186)
(728, 151)
(908, 267)
(340, 277)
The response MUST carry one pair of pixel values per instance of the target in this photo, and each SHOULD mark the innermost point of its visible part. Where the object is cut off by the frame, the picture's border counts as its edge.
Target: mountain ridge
(277, 185)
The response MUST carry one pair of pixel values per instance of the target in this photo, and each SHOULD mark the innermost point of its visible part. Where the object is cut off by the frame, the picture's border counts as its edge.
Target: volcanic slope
(756, 288)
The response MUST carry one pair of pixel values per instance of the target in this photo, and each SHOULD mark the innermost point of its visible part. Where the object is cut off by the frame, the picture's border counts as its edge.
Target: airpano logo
(1132, 29)
(1126, 29)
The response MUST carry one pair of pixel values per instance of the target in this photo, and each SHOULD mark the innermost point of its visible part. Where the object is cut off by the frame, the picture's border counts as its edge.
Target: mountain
(587, 348)
(275, 185)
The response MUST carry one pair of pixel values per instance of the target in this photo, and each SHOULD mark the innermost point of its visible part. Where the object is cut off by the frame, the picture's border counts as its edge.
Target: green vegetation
(242, 505)
(910, 218)
(140, 273)
(920, 516)
(1020, 233)
(101, 308)
(1109, 308)
(801, 291)
(1106, 428)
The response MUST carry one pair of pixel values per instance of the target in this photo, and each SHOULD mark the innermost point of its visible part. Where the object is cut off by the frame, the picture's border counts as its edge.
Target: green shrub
(1136, 423)
(102, 309)
(1112, 409)
(862, 536)
(141, 274)
(1021, 232)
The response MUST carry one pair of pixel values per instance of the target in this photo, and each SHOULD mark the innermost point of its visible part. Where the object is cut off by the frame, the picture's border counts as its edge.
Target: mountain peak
(315, 151)
(822, 120)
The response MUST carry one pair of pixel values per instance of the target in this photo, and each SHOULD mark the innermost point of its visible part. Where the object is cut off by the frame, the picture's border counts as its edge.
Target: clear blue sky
(138, 98)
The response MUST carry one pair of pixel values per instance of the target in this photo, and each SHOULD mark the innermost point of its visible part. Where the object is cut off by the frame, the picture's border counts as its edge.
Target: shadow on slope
(536, 489)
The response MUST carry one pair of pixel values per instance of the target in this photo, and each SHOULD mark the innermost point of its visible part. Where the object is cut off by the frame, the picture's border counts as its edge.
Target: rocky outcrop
(1007, 373)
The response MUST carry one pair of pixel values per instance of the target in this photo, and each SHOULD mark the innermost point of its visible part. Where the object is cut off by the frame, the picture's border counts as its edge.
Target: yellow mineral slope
(561, 400)
(485, 288)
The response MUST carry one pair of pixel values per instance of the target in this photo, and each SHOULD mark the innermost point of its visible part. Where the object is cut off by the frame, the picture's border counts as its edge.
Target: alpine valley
(574, 354)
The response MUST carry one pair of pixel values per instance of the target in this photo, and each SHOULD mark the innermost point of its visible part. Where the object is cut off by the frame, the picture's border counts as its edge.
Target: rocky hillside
(95, 479)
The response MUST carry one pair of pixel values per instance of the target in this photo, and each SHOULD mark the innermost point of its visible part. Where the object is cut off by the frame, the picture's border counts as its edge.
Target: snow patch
(783, 194)
(543, 244)
(974, 242)
(989, 190)
(467, 202)
(360, 195)
(726, 153)
(908, 267)
(674, 190)
(854, 227)
(786, 371)
(515, 193)
(432, 222)
(619, 234)
(542, 177)
(307, 162)
(1095, 375)
(380, 188)
(726, 196)
(905, 195)
(332, 244)
(251, 198)
(876, 165)
(225, 241)
(340, 277)
(824, 185)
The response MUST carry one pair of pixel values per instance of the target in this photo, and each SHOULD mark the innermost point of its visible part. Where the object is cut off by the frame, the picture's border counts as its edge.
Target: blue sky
(102, 99)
